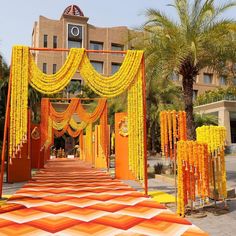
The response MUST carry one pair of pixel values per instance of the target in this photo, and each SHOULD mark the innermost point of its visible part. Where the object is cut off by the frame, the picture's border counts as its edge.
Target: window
(54, 41)
(74, 44)
(222, 80)
(75, 36)
(54, 68)
(174, 77)
(117, 47)
(195, 92)
(45, 68)
(115, 67)
(45, 41)
(208, 78)
(96, 45)
(98, 66)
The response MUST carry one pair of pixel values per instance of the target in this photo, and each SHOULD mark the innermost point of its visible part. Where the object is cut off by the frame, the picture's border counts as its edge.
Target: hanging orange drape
(74, 133)
(91, 117)
(65, 115)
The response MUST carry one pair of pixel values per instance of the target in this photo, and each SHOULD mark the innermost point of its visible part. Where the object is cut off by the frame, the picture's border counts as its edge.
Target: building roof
(73, 10)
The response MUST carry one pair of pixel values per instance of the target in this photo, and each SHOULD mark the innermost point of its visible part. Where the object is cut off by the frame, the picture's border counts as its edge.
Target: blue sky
(17, 16)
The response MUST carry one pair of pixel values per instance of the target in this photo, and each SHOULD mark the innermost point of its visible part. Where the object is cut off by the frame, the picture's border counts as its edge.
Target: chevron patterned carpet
(69, 197)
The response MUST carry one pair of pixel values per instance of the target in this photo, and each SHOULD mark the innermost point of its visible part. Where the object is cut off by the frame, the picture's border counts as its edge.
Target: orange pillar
(35, 145)
(121, 151)
(20, 168)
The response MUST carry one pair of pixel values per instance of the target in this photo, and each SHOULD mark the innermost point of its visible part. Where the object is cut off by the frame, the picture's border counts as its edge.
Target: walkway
(68, 197)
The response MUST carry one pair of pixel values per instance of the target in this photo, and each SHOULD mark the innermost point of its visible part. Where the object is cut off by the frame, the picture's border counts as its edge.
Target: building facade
(73, 30)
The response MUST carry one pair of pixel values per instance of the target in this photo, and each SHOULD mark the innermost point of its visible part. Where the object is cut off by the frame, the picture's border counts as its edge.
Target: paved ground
(217, 225)
(69, 197)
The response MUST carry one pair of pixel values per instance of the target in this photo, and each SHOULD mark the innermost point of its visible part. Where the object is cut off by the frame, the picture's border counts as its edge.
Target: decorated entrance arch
(129, 77)
(56, 124)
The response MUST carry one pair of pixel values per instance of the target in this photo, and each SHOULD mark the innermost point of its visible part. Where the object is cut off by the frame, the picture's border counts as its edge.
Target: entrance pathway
(69, 197)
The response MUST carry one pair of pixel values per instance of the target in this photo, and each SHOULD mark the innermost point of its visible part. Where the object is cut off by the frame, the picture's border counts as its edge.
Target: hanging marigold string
(116, 84)
(136, 128)
(54, 83)
(173, 128)
(215, 137)
(193, 173)
(19, 100)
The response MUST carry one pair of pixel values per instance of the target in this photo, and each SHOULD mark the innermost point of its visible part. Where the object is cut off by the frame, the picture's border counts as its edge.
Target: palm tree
(205, 119)
(162, 94)
(199, 38)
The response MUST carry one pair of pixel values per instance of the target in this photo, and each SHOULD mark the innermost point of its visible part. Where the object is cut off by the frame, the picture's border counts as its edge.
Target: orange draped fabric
(91, 117)
(74, 133)
(69, 130)
(65, 115)
(59, 133)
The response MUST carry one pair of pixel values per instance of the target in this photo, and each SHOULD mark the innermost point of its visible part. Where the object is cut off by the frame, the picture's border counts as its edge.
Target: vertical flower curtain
(128, 77)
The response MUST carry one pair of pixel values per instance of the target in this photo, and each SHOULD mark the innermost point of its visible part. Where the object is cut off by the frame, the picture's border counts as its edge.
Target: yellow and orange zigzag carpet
(69, 197)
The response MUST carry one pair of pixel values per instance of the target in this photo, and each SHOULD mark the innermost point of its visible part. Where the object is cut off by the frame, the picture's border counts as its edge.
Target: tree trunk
(188, 101)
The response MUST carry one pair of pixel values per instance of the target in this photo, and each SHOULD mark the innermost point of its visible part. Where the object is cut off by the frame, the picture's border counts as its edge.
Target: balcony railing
(215, 99)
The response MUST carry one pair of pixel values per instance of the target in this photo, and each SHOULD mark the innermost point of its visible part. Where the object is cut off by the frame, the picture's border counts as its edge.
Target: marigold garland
(136, 128)
(173, 128)
(193, 173)
(215, 137)
(54, 83)
(19, 100)
(116, 84)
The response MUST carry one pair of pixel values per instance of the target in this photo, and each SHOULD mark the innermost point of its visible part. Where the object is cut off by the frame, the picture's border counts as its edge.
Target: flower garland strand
(215, 137)
(193, 173)
(173, 127)
(19, 100)
(116, 84)
(54, 83)
(136, 128)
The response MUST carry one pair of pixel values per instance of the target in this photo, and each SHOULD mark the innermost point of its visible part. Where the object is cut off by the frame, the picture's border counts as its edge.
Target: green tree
(162, 94)
(4, 75)
(199, 38)
(205, 119)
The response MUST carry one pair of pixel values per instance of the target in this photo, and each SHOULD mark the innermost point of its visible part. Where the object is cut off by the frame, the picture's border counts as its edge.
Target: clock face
(75, 33)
